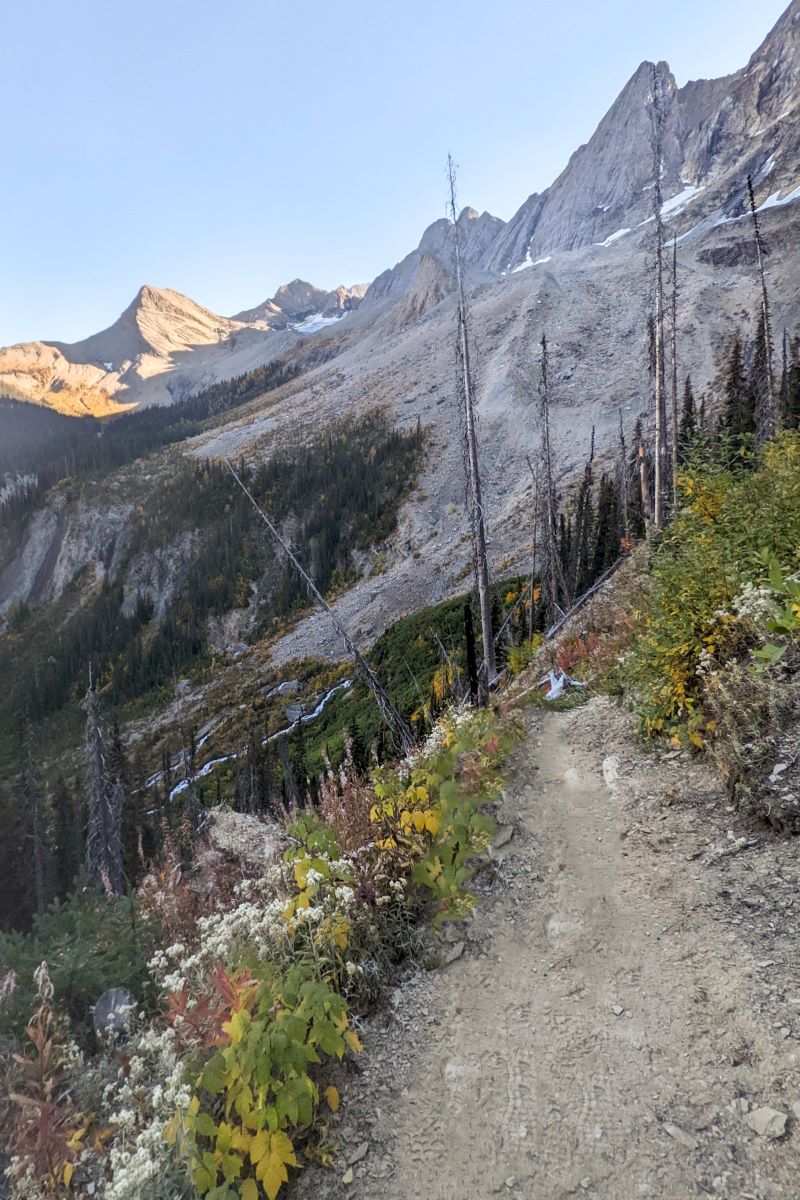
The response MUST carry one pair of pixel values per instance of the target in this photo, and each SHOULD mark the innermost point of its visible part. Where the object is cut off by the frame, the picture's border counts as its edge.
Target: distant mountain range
(715, 132)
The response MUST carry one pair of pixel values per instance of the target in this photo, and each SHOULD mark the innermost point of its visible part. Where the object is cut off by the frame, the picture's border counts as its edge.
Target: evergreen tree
(68, 836)
(565, 548)
(501, 646)
(791, 410)
(687, 434)
(783, 389)
(737, 422)
(39, 831)
(607, 529)
(291, 793)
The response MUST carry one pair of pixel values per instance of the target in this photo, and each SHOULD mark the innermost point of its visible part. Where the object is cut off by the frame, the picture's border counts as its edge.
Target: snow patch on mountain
(315, 322)
(677, 203)
(613, 237)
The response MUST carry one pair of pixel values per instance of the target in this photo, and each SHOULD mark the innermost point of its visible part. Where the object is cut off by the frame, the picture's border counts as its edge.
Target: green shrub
(89, 944)
(732, 523)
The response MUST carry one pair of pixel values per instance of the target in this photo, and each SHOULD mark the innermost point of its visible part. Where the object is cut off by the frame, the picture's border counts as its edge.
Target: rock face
(478, 234)
(715, 133)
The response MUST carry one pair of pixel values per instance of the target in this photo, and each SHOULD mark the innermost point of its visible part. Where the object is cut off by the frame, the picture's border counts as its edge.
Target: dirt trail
(625, 1000)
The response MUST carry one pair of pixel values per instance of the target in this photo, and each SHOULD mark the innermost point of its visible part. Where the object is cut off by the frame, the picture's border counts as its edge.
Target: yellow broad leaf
(282, 1146)
(224, 1135)
(332, 1097)
(352, 1039)
(432, 823)
(301, 873)
(272, 1173)
(74, 1142)
(259, 1146)
(67, 1173)
(244, 1100)
(419, 821)
(248, 1190)
(241, 1139)
(340, 933)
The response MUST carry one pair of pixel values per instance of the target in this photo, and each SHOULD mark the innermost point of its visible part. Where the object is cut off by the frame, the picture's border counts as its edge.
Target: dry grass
(344, 803)
(757, 726)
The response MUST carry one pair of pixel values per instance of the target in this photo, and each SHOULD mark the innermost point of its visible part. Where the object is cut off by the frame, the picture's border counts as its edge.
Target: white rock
(453, 953)
(680, 1135)
(767, 1122)
(611, 765)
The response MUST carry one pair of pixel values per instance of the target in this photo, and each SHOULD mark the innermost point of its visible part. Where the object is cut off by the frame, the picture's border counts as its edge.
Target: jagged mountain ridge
(299, 299)
(165, 346)
(715, 133)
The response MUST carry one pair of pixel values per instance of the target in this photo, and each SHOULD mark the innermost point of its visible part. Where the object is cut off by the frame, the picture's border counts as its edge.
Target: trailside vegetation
(260, 975)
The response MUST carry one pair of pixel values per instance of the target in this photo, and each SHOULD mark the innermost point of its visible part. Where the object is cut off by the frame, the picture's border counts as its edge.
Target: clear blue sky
(222, 149)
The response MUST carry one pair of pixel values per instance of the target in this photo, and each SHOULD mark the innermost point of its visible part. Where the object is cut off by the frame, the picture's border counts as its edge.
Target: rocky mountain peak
(158, 321)
(714, 133)
(299, 298)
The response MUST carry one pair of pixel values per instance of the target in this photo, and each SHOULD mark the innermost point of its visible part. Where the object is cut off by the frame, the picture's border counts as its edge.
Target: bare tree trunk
(388, 711)
(661, 464)
(581, 533)
(472, 663)
(188, 761)
(623, 481)
(644, 486)
(103, 853)
(674, 356)
(765, 417)
(535, 474)
(473, 479)
(552, 574)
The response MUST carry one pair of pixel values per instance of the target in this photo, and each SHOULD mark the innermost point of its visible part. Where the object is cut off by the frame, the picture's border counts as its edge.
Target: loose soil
(628, 995)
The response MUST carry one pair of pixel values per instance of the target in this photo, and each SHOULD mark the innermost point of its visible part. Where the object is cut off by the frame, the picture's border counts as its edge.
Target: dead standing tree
(661, 458)
(387, 710)
(623, 481)
(765, 401)
(551, 574)
(480, 563)
(674, 364)
(103, 854)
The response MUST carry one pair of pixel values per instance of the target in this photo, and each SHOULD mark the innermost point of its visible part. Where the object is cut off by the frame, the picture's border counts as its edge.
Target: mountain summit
(158, 321)
(299, 299)
(715, 133)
